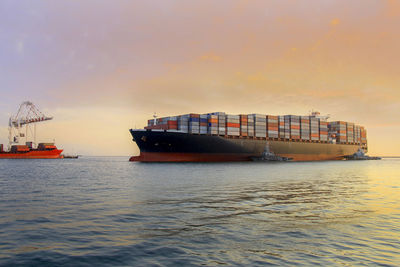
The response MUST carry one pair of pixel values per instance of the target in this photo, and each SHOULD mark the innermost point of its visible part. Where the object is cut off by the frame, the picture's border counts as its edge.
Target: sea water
(108, 211)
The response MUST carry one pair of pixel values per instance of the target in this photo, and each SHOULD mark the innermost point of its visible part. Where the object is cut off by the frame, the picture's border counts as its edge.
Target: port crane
(23, 124)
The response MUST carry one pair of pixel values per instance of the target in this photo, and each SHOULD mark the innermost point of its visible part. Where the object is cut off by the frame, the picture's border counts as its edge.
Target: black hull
(175, 146)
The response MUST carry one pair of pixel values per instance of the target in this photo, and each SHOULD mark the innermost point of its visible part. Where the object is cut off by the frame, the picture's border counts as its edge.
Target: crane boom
(27, 114)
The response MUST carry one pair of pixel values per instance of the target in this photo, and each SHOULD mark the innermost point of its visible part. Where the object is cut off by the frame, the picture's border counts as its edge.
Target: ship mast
(24, 123)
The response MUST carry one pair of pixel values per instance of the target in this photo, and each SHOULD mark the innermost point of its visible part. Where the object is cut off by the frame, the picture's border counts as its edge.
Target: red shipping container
(231, 124)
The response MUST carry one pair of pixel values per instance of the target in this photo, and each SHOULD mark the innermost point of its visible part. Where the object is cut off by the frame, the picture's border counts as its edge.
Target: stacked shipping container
(350, 132)
(212, 124)
(221, 124)
(314, 128)
(264, 126)
(183, 123)
(243, 125)
(260, 125)
(287, 126)
(305, 128)
(281, 121)
(272, 126)
(357, 134)
(294, 126)
(233, 125)
(363, 134)
(203, 123)
(323, 130)
(250, 125)
(338, 128)
(167, 123)
(194, 123)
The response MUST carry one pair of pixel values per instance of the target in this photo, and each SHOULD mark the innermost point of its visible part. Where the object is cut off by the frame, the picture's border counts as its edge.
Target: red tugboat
(21, 127)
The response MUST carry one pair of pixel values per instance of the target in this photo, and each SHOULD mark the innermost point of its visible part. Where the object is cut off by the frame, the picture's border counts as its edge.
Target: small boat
(70, 156)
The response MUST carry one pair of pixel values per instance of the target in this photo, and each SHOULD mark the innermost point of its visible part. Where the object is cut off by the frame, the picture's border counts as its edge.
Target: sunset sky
(102, 67)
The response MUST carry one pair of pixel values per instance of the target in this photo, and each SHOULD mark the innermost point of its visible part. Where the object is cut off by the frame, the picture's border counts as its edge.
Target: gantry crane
(23, 124)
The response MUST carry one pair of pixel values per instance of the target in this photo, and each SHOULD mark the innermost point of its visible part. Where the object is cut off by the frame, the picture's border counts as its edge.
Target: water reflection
(112, 212)
(269, 205)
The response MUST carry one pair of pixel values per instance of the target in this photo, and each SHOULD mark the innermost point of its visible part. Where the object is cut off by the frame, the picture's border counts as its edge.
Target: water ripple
(108, 211)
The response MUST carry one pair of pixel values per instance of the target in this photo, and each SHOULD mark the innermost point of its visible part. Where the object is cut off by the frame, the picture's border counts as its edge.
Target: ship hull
(33, 154)
(159, 146)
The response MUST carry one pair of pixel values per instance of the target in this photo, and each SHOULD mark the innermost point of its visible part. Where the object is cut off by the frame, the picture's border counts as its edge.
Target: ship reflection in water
(111, 212)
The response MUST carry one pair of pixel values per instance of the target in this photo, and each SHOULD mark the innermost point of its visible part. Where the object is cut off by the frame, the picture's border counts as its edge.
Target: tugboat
(269, 156)
(360, 155)
(21, 127)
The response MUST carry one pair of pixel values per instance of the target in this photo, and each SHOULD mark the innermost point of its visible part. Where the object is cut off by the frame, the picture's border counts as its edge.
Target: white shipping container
(257, 134)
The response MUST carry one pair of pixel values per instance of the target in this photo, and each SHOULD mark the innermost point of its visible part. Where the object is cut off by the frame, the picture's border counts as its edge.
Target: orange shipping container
(272, 117)
(231, 124)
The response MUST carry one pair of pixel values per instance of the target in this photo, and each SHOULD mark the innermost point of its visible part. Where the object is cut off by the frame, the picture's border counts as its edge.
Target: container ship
(218, 137)
(21, 128)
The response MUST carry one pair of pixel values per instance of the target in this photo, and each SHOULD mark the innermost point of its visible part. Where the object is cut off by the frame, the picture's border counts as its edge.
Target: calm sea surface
(108, 211)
